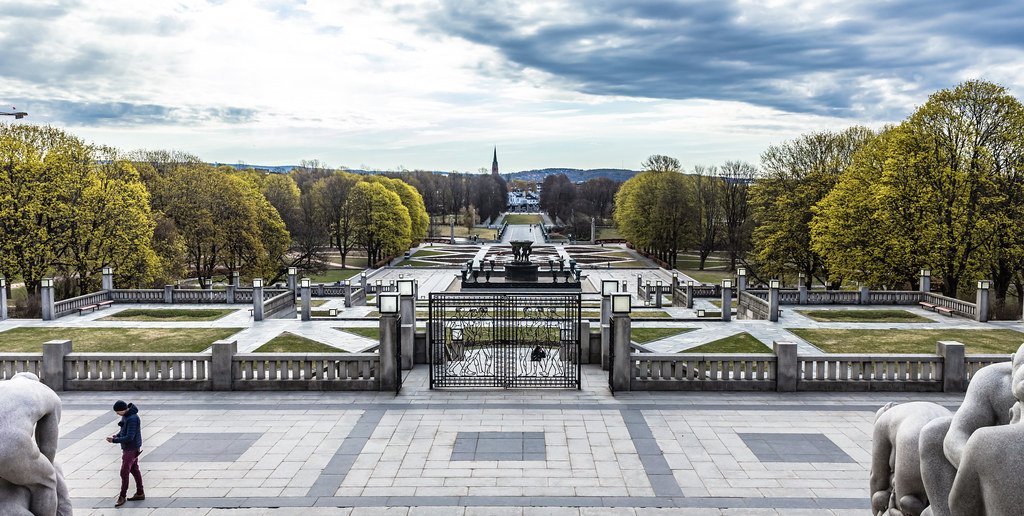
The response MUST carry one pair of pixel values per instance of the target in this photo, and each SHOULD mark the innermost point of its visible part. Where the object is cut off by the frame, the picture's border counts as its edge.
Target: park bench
(82, 310)
(104, 304)
(944, 310)
(927, 306)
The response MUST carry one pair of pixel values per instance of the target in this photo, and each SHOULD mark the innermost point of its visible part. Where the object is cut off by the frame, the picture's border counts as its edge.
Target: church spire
(494, 164)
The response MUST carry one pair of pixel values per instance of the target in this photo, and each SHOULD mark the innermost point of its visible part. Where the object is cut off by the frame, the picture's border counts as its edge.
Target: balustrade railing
(833, 297)
(959, 307)
(154, 371)
(974, 363)
(815, 372)
(312, 371)
(14, 363)
(280, 303)
(694, 371)
(150, 295)
(69, 306)
(894, 297)
(758, 308)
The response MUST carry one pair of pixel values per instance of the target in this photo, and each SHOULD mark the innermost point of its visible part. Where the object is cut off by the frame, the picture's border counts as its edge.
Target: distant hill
(574, 174)
(276, 169)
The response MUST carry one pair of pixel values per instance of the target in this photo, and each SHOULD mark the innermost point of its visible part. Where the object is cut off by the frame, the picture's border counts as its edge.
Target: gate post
(727, 299)
(304, 290)
(406, 294)
(621, 372)
(3, 298)
(608, 287)
(773, 300)
(257, 299)
(689, 294)
(389, 359)
(46, 298)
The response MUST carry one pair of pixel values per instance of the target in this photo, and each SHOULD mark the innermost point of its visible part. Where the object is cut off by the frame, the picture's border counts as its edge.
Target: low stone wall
(949, 370)
(222, 369)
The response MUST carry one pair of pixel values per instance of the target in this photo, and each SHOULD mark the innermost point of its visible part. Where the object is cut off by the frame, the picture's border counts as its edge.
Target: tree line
(575, 205)
(942, 190)
(68, 209)
(662, 211)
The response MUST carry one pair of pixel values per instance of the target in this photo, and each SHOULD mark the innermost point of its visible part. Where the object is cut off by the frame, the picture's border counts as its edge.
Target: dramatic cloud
(436, 83)
(849, 59)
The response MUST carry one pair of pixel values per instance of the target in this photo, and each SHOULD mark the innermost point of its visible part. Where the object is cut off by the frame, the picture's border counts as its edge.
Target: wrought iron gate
(504, 340)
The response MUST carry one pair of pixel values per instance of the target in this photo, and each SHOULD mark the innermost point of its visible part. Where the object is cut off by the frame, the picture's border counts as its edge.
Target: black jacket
(130, 436)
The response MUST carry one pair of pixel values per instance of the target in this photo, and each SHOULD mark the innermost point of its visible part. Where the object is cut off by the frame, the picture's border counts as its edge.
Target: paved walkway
(523, 232)
(547, 452)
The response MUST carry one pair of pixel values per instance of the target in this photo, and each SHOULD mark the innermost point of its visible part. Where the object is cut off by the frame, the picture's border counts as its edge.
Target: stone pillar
(388, 351)
(657, 294)
(54, 352)
(982, 300)
(235, 280)
(168, 294)
(108, 279)
(741, 279)
(231, 294)
(47, 300)
(304, 294)
(257, 300)
(407, 309)
(453, 232)
(773, 301)
(593, 231)
(675, 285)
(954, 370)
(3, 298)
(801, 288)
(623, 367)
(221, 364)
(689, 295)
(865, 295)
(584, 355)
(926, 280)
(726, 303)
(787, 366)
(293, 284)
(348, 293)
(606, 333)
(363, 282)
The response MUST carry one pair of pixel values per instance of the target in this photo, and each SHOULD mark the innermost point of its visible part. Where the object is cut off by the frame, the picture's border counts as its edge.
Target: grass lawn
(116, 340)
(318, 302)
(645, 335)
(631, 264)
(739, 343)
(333, 275)
(523, 218)
(424, 253)
(370, 333)
(482, 233)
(169, 314)
(292, 343)
(660, 314)
(707, 276)
(608, 233)
(909, 341)
(864, 316)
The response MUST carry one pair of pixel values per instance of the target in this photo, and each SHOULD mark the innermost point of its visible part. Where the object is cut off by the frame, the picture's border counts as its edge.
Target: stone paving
(481, 452)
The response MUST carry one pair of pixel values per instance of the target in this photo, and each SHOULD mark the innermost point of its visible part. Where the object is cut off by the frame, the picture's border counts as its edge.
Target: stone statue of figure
(990, 474)
(987, 402)
(15, 500)
(896, 483)
(28, 442)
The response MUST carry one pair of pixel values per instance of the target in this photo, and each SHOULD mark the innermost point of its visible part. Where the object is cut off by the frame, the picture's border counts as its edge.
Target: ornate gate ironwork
(504, 340)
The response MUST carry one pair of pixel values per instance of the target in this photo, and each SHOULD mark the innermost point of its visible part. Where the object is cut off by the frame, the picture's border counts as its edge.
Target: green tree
(381, 222)
(412, 200)
(797, 174)
(708, 190)
(653, 211)
(736, 211)
(331, 195)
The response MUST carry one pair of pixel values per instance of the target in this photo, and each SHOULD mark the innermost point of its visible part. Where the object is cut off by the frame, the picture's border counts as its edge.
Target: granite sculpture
(28, 444)
(954, 451)
(896, 481)
(990, 476)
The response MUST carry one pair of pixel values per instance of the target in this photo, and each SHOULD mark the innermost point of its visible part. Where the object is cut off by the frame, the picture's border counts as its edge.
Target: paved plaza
(481, 452)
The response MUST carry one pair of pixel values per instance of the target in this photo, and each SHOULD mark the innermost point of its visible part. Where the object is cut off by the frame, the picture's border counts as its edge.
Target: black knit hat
(120, 405)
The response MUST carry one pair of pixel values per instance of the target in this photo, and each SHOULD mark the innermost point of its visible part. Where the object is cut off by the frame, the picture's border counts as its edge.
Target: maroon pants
(130, 464)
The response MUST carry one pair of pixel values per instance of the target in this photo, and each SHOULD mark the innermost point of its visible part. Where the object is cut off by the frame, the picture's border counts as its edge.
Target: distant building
(527, 201)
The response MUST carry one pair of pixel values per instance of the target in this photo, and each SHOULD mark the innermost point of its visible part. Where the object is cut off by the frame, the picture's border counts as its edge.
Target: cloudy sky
(435, 84)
